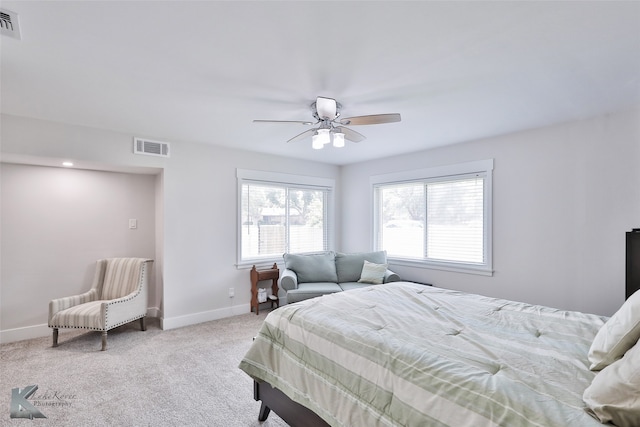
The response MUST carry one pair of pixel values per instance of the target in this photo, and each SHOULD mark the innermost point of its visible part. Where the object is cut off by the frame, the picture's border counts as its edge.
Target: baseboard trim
(26, 333)
(43, 330)
(154, 312)
(167, 323)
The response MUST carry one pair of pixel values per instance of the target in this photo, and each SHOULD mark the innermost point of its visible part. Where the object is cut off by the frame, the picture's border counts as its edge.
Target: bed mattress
(405, 354)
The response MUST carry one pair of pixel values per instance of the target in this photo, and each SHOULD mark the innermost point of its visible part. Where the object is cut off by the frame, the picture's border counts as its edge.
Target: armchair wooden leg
(55, 337)
(104, 340)
(143, 325)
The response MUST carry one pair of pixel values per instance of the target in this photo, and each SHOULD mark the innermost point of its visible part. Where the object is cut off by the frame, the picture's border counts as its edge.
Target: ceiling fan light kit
(323, 137)
(319, 138)
(338, 139)
(327, 111)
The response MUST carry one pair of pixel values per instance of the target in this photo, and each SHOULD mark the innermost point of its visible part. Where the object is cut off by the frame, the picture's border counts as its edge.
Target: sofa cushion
(349, 266)
(312, 267)
(311, 290)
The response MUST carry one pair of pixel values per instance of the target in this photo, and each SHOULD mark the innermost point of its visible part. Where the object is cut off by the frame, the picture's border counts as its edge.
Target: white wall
(200, 228)
(195, 209)
(563, 197)
(56, 223)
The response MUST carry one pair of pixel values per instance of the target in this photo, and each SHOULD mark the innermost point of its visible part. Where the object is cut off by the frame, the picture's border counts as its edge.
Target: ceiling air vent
(9, 24)
(150, 148)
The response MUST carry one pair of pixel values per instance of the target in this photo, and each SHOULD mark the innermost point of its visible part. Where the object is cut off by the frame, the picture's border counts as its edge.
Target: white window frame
(283, 179)
(484, 167)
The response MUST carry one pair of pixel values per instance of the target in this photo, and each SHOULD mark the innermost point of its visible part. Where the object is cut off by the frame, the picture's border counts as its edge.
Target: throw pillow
(613, 394)
(617, 335)
(372, 273)
(312, 267)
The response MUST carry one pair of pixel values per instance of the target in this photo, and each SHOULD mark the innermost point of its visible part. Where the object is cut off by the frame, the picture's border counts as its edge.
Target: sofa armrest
(390, 276)
(288, 280)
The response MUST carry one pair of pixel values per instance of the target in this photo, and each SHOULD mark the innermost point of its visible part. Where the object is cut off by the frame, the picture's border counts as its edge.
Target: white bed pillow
(372, 273)
(617, 335)
(613, 394)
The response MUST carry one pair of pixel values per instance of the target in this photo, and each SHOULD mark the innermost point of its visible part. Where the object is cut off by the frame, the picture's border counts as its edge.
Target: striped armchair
(118, 296)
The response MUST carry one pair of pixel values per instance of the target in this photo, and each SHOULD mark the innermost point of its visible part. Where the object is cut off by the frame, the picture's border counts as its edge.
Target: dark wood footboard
(291, 412)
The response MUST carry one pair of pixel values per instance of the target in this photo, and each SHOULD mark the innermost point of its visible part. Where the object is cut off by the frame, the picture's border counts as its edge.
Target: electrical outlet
(232, 292)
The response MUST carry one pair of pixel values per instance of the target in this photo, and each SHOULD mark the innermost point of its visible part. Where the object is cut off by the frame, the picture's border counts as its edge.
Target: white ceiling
(202, 71)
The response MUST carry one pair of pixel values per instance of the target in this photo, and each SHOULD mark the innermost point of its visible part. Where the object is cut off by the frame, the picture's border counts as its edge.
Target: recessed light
(67, 164)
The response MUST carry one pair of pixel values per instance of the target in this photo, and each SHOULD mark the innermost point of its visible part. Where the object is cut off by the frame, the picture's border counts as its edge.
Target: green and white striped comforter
(403, 354)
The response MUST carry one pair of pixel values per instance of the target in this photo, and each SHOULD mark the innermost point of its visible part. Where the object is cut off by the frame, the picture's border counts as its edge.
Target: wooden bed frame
(291, 412)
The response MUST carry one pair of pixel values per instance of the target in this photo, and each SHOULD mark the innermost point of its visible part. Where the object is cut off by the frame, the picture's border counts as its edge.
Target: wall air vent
(9, 24)
(150, 148)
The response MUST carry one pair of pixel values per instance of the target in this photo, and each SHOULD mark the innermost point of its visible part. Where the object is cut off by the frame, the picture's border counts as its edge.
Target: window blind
(438, 219)
(277, 218)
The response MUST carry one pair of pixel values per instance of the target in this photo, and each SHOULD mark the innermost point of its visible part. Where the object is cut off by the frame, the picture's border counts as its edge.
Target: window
(281, 213)
(439, 218)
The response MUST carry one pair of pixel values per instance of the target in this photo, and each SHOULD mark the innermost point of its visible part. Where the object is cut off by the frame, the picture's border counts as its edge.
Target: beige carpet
(187, 376)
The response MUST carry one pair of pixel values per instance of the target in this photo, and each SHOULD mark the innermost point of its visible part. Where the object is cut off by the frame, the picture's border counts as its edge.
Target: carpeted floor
(187, 376)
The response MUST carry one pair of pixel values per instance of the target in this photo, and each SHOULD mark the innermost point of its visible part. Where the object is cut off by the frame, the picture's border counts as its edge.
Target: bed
(405, 354)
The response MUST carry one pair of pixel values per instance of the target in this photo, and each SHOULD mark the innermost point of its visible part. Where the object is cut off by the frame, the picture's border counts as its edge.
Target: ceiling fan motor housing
(325, 108)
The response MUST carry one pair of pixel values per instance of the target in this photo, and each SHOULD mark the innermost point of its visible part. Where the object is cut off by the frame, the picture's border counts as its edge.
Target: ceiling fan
(326, 111)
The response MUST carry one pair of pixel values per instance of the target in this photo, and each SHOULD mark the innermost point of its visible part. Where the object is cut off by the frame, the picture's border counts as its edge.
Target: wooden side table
(258, 275)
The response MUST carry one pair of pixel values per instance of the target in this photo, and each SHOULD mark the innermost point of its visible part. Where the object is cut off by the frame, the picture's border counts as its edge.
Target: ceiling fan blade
(327, 108)
(351, 135)
(302, 135)
(302, 122)
(373, 119)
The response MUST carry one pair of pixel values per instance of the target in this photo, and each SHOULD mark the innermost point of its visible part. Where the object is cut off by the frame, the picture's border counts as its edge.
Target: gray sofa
(313, 275)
